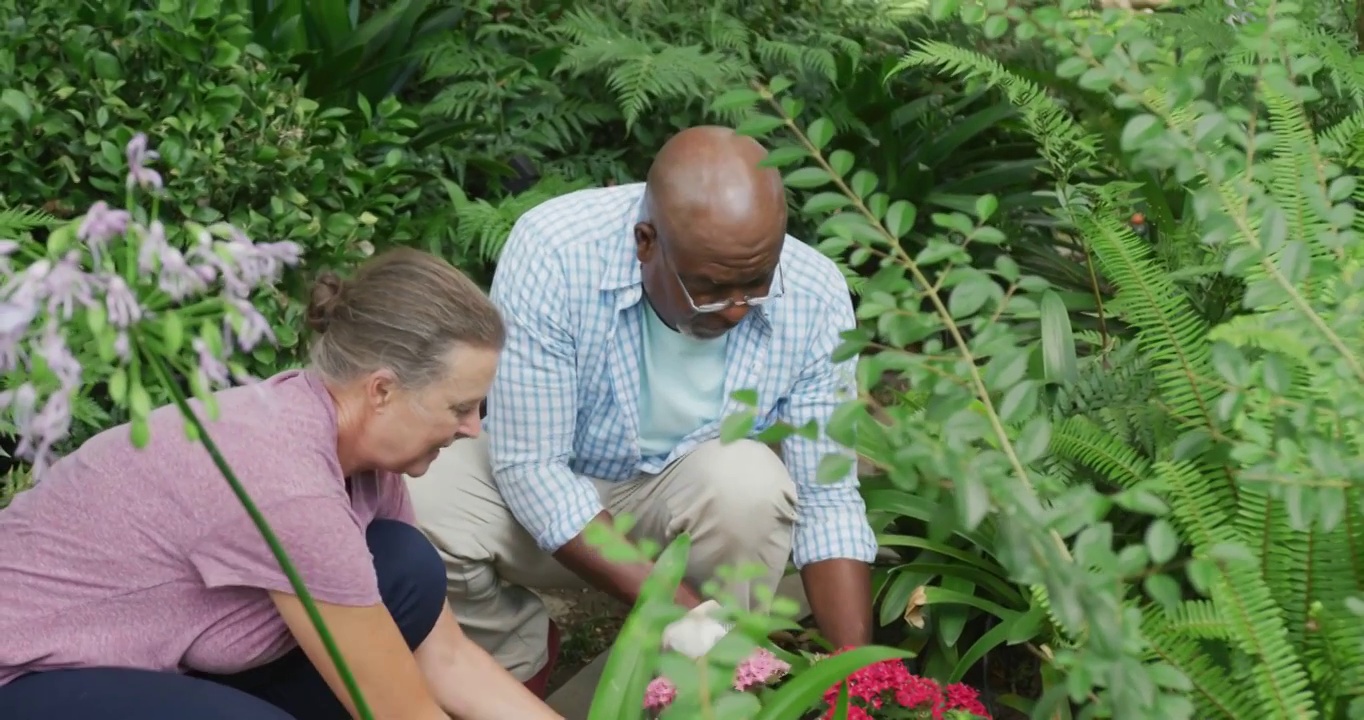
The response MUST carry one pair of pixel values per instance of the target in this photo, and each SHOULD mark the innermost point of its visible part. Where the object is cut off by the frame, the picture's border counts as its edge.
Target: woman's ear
(381, 389)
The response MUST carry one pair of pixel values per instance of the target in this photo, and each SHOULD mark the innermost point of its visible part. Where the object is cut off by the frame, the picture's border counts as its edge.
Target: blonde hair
(404, 310)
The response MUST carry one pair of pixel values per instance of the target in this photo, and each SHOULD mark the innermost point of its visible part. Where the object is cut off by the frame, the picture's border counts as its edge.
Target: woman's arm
(468, 683)
(374, 650)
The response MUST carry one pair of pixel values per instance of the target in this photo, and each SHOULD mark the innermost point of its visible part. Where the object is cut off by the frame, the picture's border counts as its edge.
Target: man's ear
(646, 239)
(381, 389)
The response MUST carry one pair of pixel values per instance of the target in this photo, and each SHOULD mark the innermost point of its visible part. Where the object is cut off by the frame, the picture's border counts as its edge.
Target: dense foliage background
(1107, 265)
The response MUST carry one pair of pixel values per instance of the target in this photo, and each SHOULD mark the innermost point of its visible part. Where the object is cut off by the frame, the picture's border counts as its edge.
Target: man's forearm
(621, 581)
(839, 592)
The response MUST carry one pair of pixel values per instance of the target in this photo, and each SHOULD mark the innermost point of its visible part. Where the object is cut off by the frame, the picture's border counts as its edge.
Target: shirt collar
(622, 266)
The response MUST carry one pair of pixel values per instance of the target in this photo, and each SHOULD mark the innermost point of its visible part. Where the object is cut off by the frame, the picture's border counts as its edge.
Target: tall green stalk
(296, 582)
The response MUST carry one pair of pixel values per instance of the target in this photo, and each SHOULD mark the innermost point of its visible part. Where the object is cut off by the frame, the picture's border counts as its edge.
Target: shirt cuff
(831, 535)
(552, 513)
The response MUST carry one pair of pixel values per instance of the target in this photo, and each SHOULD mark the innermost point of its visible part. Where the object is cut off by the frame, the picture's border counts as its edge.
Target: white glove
(697, 632)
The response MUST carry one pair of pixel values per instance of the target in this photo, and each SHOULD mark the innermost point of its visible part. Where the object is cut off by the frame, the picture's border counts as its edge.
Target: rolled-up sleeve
(831, 518)
(532, 404)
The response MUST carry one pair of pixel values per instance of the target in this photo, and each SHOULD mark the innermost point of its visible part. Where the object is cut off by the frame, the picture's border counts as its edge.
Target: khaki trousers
(736, 501)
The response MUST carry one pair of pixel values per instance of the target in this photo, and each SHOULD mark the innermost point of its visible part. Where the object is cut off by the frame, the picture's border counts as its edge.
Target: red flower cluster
(889, 686)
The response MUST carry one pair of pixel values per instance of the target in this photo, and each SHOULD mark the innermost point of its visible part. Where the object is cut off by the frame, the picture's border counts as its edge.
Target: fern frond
(1066, 146)
(14, 222)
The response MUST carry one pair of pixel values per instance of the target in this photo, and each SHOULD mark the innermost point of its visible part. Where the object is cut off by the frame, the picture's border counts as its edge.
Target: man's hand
(840, 598)
(619, 581)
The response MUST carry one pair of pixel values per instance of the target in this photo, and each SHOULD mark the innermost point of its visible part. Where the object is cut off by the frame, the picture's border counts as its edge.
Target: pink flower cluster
(879, 690)
(759, 669)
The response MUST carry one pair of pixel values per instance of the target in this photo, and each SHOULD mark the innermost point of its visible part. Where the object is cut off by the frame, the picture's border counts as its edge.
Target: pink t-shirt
(145, 558)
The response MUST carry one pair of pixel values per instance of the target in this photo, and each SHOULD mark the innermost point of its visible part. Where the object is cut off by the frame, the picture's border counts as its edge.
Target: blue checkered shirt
(565, 403)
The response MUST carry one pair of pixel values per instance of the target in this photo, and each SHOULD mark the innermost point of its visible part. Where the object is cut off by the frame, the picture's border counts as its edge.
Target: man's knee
(743, 482)
(456, 503)
(411, 576)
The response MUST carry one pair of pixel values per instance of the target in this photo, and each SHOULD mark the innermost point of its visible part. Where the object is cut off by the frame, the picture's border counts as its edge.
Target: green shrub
(237, 138)
(1181, 502)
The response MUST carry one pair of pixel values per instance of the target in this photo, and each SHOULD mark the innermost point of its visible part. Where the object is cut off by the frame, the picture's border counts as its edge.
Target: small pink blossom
(757, 670)
(660, 694)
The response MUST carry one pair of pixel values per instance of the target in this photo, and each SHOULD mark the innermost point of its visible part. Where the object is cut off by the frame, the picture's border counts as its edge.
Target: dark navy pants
(411, 581)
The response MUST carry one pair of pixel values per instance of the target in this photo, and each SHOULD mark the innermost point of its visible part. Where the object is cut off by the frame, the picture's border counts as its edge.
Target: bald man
(634, 314)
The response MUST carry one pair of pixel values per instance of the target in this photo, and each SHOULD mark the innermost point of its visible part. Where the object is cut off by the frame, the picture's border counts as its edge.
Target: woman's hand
(388, 675)
(468, 684)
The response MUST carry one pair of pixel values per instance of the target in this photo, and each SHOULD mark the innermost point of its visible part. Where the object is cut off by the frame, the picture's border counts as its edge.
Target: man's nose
(732, 315)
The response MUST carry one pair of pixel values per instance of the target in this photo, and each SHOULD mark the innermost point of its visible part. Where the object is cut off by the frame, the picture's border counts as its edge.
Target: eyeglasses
(722, 305)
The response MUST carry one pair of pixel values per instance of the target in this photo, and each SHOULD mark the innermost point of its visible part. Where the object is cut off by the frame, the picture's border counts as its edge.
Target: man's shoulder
(811, 275)
(576, 223)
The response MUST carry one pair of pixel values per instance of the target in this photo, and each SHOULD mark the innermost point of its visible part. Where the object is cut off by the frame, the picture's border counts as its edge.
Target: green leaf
(1161, 541)
(139, 401)
(1072, 67)
(825, 202)
(735, 99)
(801, 692)
(139, 432)
(806, 178)
(900, 218)
(986, 205)
(737, 426)
(759, 125)
(995, 27)
(970, 296)
(1059, 361)
(834, 467)
(973, 499)
(1026, 626)
(118, 385)
(173, 331)
(746, 396)
(1164, 590)
(783, 156)
(1033, 440)
(1139, 130)
(628, 666)
(863, 182)
(841, 161)
(820, 132)
(18, 102)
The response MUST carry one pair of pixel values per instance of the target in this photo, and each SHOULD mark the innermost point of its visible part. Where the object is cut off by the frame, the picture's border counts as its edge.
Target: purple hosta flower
(177, 277)
(68, 286)
(152, 241)
(244, 264)
(252, 326)
(138, 172)
(20, 402)
(213, 372)
(52, 349)
(120, 302)
(38, 432)
(102, 224)
(15, 318)
(207, 263)
(123, 346)
(26, 287)
(7, 248)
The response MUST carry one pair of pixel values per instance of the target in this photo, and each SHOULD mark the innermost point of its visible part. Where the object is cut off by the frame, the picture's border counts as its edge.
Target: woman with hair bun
(133, 585)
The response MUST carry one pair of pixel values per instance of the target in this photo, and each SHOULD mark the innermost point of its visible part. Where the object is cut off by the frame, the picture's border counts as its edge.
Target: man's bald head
(713, 229)
(706, 188)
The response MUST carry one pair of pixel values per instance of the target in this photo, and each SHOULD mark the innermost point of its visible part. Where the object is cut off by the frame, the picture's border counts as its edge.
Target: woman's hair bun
(322, 303)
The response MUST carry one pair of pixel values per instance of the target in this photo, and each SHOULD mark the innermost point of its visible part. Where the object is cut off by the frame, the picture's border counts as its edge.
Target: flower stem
(181, 402)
